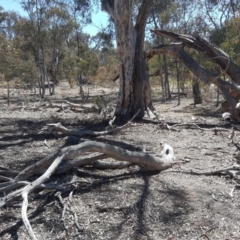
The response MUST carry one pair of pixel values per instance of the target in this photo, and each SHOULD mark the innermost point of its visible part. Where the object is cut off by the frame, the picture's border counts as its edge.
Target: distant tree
(178, 16)
(46, 32)
(10, 62)
(231, 41)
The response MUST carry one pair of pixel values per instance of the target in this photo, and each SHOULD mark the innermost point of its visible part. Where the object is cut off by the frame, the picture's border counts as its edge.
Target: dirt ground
(124, 203)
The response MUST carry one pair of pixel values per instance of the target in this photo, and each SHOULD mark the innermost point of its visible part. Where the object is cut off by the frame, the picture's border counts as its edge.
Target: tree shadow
(142, 210)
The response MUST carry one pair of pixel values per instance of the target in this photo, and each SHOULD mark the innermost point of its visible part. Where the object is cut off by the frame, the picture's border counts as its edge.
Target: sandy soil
(127, 203)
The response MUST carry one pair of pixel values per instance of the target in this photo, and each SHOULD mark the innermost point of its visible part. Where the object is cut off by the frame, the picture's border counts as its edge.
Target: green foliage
(15, 63)
(231, 43)
(217, 36)
(10, 63)
(54, 28)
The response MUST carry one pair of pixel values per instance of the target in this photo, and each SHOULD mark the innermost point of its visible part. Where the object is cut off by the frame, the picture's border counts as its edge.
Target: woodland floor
(126, 203)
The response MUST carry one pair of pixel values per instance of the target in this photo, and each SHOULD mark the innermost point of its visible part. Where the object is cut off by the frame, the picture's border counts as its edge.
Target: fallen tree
(47, 173)
(229, 89)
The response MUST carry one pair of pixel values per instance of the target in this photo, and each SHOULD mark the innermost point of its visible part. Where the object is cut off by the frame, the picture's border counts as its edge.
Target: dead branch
(81, 161)
(164, 125)
(195, 126)
(61, 106)
(226, 170)
(111, 165)
(160, 162)
(70, 203)
(30, 188)
(58, 127)
(64, 205)
(20, 185)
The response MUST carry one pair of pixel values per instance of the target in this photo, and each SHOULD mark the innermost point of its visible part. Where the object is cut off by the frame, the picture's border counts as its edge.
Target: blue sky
(99, 18)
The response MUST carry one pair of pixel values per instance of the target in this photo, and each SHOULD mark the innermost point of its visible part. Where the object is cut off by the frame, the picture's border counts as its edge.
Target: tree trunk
(80, 82)
(178, 82)
(51, 86)
(41, 84)
(162, 83)
(167, 85)
(196, 92)
(134, 89)
(8, 93)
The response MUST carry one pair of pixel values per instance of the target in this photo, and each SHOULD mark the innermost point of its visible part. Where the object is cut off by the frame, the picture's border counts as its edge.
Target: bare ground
(125, 203)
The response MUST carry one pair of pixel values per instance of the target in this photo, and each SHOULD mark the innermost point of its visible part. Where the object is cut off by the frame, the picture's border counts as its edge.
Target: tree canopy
(48, 43)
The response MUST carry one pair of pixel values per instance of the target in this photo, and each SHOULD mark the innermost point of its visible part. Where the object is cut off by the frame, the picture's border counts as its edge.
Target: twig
(112, 121)
(64, 211)
(45, 142)
(32, 186)
(211, 172)
(197, 127)
(231, 192)
(70, 200)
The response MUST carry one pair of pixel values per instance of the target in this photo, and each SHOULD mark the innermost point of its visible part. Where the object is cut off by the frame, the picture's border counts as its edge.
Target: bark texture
(135, 90)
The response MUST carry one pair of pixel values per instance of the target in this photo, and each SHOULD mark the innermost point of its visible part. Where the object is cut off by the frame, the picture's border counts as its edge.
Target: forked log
(160, 162)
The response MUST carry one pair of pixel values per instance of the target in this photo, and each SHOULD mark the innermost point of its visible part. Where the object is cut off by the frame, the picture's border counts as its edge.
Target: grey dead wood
(30, 188)
(60, 105)
(152, 163)
(80, 161)
(44, 163)
(87, 132)
(195, 126)
(111, 165)
(159, 162)
(227, 170)
(65, 207)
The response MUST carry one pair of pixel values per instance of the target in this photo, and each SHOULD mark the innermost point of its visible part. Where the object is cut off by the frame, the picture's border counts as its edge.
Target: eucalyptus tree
(81, 14)
(3, 15)
(160, 16)
(217, 12)
(60, 26)
(10, 62)
(45, 31)
(8, 20)
(134, 89)
(34, 32)
(231, 41)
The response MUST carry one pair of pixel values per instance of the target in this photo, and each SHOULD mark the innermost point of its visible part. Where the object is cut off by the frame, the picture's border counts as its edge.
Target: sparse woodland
(132, 133)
